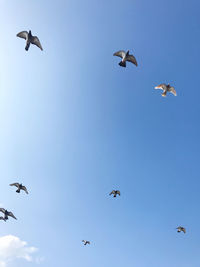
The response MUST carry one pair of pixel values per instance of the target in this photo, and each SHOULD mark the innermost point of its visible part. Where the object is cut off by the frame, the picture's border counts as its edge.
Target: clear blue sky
(74, 126)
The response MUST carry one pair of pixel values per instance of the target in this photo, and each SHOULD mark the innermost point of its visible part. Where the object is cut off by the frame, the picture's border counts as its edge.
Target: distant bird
(115, 193)
(166, 88)
(181, 229)
(30, 39)
(125, 57)
(20, 187)
(86, 242)
(7, 213)
(2, 218)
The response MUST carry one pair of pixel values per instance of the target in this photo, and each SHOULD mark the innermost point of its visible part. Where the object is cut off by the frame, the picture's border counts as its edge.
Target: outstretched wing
(88, 242)
(132, 59)
(172, 90)
(2, 210)
(161, 86)
(36, 42)
(23, 35)
(15, 184)
(113, 192)
(24, 188)
(118, 192)
(120, 53)
(184, 230)
(11, 215)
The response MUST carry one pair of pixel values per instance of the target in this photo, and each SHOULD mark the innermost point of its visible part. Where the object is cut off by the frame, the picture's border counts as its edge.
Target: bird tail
(27, 46)
(18, 190)
(164, 93)
(122, 64)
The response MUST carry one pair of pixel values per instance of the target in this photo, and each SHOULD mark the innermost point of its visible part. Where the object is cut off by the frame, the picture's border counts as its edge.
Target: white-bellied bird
(166, 88)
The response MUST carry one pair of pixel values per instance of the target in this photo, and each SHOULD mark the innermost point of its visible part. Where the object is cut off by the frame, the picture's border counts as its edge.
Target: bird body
(30, 39)
(7, 213)
(166, 88)
(125, 57)
(181, 229)
(19, 187)
(86, 242)
(115, 193)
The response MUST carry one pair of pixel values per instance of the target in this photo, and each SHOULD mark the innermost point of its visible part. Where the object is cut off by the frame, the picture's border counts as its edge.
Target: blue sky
(74, 126)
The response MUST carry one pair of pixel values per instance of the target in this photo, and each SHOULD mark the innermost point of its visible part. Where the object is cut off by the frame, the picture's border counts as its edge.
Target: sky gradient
(74, 126)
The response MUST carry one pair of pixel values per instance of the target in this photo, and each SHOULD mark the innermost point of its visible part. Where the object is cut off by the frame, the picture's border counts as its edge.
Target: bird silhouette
(86, 242)
(166, 88)
(7, 213)
(181, 229)
(115, 193)
(19, 187)
(30, 39)
(125, 57)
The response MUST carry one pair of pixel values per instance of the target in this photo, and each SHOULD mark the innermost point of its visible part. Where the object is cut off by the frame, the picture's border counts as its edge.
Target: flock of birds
(125, 56)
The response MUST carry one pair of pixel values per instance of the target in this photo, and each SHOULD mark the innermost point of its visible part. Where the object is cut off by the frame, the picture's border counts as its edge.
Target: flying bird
(30, 39)
(7, 213)
(19, 187)
(181, 229)
(86, 242)
(125, 57)
(166, 88)
(115, 193)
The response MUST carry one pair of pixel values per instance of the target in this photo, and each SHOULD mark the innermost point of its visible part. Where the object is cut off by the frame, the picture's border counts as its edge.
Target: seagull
(20, 187)
(86, 242)
(180, 228)
(166, 88)
(125, 57)
(30, 39)
(115, 192)
(2, 218)
(7, 213)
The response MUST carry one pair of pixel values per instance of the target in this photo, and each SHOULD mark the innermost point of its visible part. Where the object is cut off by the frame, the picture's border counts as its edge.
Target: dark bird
(20, 187)
(166, 88)
(30, 39)
(86, 242)
(125, 57)
(7, 213)
(181, 229)
(115, 193)
(2, 218)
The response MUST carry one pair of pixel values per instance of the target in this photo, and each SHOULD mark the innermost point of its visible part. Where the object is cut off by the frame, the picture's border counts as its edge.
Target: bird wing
(113, 192)
(36, 42)
(2, 210)
(118, 192)
(184, 230)
(161, 86)
(132, 59)
(2, 218)
(88, 242)
(15, 184)
(120, 53)
(172, 90)
(23, 35)
(11, 215)
(24, 188)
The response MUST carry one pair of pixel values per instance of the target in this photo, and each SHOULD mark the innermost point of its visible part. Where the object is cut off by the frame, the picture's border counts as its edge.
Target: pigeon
(86, 242)
(30, 39)
(181, 229)
(115, 192)
(2, 218)
(7, 213)
(20, 187)
(125, 57)
(166, 88)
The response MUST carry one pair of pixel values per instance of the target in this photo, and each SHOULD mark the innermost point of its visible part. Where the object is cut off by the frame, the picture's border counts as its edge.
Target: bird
(7, 213)
(2, 218)
(115, 193)
(86, 242)
(166, 88)
(19, 187)
(181, 229)
(30, 39)
(125, 57)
